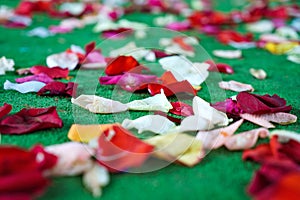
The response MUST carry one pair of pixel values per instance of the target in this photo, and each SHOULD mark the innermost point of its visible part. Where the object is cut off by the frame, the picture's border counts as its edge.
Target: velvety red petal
(44, 159)
(5, 109)
(89, 48)
(29, 120)
(57, 88)
(260, 154)
(256, 104)
(228, 106)
(120, 65)
(120, 150)
(55, 72)
(181, 109)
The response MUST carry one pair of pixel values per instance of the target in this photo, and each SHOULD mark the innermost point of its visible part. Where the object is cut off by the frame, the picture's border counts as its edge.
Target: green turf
(221, 175)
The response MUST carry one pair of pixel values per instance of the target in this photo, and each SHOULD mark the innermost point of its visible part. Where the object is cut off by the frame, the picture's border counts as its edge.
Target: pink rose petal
(42, 77)
(256, 119)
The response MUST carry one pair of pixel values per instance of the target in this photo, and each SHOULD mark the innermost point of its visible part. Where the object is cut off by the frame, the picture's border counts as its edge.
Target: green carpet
(221, 175)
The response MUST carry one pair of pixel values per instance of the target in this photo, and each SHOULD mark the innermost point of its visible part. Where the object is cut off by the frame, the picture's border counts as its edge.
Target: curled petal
(5, 109)
(228, 106)
(177, 146)
(235, 86)
(96, 104)
(258, 73)
(6, 65)
(63, 60)
(58, 88)
(154, 123)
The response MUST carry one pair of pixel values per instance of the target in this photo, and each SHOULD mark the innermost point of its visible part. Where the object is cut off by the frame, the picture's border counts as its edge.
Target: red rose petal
(29, 120)
(256, 104)
(219, 67)
(57, 88)
(5, 109)
(55, 72)
(168, 78)
(120, 150)
(120, 65)
(181, 109)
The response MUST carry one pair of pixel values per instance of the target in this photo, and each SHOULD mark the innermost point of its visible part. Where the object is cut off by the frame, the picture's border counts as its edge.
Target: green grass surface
(221, 175)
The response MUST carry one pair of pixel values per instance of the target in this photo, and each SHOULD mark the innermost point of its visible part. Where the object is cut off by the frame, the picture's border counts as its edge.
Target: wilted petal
(154, 123)
(245, 140)
(30, 86)
(229, 54)
(216, 138)
(235, 86)
(73, 158)
(6, 65)
(63, 60)
(95, 178)
(183, 148)
(118, 149)
(96, 104)
(29, 120)
(183, 69)
(158, 102)
(85, 133)
(44, 78)
(258, 73)
(54, 72)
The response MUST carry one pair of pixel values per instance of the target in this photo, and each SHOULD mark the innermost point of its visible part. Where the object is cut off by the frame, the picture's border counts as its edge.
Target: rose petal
(57, 88)
(154, 123)
(258, 73)
(96, 104)
(119, 150)
(5, 109)
(245, 140)
(55, 72)
(120, 65)
(228, 106)
(132, 81)
(216, 138)
(63, 60)
(44, 78)
(284, 135)
(158, 102)
(30, 86)
(6, 65)
(85, 133)
(74, 163)
(181, 109)
(256, 104)
(228, 54)
(256, 119)
(219, 67)
(177, 146)
(235, 86)
(29, 120)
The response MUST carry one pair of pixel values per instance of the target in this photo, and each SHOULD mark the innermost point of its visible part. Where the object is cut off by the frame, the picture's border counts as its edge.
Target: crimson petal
(55, 72)
(172, 89)
(256, 104)
(219, 67)
(181, 109)
(5, 109)
(58, 88)
(29, 120)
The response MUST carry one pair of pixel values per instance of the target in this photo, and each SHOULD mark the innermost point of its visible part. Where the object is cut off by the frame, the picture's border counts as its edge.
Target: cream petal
(96, 104)
(229, 54)
(63, 60)
(258, 73)
(280, 118)
(154, 123)
(256, 119)
(6, 65)
(30, 86)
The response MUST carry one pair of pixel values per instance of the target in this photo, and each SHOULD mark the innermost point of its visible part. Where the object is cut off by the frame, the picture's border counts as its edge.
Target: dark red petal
(29, 120)
(120, 150)
(228, 106)
(89, 48)
(55, 72)
(260, 154)
(256, 104)
(5, 109)
(219, 67)
(57, 88)
(120, 65)
(44, 159)
(160, 54)
(181, 109)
